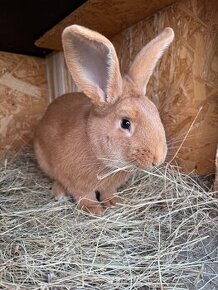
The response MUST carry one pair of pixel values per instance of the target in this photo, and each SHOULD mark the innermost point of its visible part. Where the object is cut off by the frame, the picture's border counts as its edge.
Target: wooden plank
(59, 79)
(108, 17)
(23, 99)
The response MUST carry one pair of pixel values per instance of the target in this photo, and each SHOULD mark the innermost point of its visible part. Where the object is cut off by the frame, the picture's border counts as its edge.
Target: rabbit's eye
(125, 124)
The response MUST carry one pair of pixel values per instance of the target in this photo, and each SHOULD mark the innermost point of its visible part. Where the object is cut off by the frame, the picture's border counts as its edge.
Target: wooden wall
(23, 98)
(187, 79)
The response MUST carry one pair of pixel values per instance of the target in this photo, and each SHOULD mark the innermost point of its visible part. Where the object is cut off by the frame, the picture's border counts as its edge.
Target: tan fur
(79, 139)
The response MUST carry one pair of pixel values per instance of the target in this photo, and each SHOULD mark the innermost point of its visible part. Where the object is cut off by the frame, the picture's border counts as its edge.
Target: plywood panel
(187, 78)
(23, 98)
(106, 16)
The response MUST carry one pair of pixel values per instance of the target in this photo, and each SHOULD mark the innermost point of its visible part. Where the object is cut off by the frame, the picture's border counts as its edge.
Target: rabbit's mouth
(142, 158)
(146, 158)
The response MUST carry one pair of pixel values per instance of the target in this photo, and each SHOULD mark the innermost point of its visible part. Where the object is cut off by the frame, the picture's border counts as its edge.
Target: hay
(163, 235)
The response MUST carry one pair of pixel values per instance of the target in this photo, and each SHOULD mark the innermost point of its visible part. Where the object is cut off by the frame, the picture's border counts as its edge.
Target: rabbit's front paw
(91, 206)
(109, 200)
(58, 190)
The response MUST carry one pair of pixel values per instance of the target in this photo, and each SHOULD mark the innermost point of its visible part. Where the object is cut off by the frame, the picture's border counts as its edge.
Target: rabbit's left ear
(146, 60)
(93, 64)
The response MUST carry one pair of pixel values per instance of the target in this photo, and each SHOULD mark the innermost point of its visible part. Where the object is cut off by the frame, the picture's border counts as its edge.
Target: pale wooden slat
(59, 79)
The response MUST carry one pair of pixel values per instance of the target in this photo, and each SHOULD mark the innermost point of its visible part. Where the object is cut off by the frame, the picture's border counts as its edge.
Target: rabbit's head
(123, 126)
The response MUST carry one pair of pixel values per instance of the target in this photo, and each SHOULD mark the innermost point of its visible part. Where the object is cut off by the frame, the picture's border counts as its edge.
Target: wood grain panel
(23, 98)
(105, 16)
(59, 79)
(186, 80)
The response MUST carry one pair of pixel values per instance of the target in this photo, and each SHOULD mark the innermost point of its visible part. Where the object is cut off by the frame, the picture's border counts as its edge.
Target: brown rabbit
(109, 126)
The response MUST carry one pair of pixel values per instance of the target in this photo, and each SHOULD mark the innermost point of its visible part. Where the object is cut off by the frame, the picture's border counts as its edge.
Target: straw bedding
(162, 236)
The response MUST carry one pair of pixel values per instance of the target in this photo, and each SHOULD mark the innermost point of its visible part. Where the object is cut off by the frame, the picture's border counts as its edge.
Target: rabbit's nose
(160, 156)
(157, 161)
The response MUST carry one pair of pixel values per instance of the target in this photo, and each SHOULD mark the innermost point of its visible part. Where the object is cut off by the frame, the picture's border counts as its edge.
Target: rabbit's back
(61, 130)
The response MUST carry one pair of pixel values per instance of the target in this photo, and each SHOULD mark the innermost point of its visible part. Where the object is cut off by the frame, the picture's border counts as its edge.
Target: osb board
(187, 78)
(106, 16)
(23, 98)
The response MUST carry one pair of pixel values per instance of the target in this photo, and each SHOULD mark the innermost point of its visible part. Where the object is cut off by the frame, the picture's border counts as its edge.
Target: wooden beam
(108, 17)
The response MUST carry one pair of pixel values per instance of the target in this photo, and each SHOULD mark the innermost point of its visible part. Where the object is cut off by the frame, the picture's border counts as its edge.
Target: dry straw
(162, 236)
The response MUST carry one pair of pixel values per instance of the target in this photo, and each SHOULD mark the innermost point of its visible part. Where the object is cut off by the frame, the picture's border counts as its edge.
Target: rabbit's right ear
(146, 60)
(93, 64)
